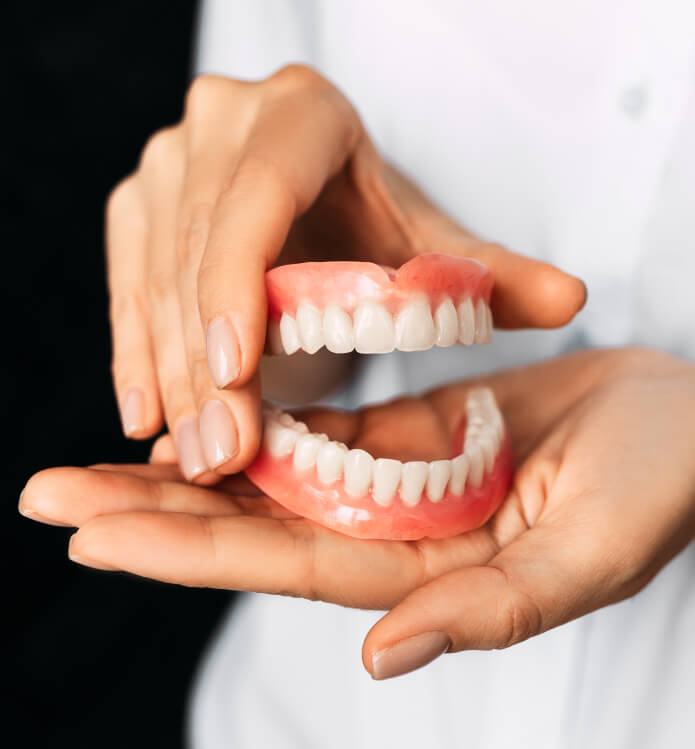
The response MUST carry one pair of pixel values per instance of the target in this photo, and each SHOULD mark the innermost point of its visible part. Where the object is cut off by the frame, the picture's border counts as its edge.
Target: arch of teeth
(383, 478)
(371, 329)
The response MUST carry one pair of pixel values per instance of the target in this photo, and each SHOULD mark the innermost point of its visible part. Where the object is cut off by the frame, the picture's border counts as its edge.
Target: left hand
(603, 498)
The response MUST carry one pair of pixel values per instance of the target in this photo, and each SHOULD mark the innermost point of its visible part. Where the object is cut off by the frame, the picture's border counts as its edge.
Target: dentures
(365, 496)
(433, 300)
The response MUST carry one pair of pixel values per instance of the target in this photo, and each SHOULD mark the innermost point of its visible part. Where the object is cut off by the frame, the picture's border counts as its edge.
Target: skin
(256, 174)
(588, 522)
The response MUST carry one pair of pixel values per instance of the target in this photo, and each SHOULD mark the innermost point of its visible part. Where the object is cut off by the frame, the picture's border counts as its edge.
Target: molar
(330, 461)
(466, 315)
(289, 334)
(437, 479)
(446, 323)
(338, 335)
(413, 478)
(387, 475)
(309, 326)
(358, 469)
(459, 473)
(374, 333)
(415, 328)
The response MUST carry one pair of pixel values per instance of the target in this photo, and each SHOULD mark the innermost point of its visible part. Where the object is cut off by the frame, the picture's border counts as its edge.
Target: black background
(89, 659)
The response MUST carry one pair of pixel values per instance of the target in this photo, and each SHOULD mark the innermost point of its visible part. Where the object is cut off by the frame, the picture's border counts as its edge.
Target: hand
(256, 173)
(603, 498)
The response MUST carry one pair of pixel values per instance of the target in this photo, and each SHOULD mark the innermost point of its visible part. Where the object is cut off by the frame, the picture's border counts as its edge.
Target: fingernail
(218, 433)
(223, 351)
(191, 458)
(132, 411)
(91, 563)
(39, 518)
(409, 654)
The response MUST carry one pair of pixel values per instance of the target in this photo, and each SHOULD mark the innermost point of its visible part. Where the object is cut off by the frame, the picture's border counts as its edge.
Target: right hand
(256, 173)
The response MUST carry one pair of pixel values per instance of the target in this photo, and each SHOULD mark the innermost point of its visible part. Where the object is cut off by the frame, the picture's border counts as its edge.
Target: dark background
(89, 659)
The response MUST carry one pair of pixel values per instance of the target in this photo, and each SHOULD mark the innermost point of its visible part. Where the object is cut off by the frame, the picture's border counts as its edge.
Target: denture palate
(384, 479)
(370, 328)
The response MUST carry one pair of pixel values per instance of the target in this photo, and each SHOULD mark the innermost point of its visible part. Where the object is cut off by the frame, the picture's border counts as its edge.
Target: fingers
(134, 374)
(529, 293)
(304, 133)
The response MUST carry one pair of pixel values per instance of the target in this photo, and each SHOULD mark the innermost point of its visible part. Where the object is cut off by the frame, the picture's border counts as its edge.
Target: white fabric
(565, 131)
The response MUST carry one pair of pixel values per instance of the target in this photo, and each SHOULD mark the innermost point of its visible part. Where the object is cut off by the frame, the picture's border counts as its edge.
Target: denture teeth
(279, 440)
(446, 324)
(374, 331)
(415, 328)
(480, 322)
(437, 479)
(387, 475)
(338, 334)
(413, 479)
(289, 334)
(459, 473)
(476, 463)
(358, 468)
(330, 462)
(305, 451)
(466, 316)
(309, 325)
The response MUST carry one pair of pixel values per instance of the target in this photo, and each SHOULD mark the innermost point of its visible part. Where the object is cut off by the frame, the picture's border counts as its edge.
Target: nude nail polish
(409, 654)
(218, 433)
(223, 351)
(188, 447)
(133, 411)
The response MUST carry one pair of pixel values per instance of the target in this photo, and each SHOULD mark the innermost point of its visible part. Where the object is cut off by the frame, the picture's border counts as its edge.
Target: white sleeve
(252, 39)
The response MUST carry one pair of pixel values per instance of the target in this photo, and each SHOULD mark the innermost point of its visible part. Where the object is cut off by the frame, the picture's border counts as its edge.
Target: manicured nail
(223, 351)
(218, 433)
(409, 654)
(191, 458)
(91, 563)
(133, 411)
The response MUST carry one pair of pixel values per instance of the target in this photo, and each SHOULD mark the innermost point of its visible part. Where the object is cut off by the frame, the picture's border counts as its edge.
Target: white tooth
(374, 333)
(300, 427)
(279, 440)
(275, 346)
(270, 412)
(337, 330)
(476, 463)
(480, 322)
(466, 322)
(387, 474)
(490, 324)
(305, 451)
(287, 420)
(439, 473)
(459, 473)
(358, 472)
(446, 323)
(289, 335)
(413, 480)
(309, 326)
(488, 444)
(415, 328)
(330, 461)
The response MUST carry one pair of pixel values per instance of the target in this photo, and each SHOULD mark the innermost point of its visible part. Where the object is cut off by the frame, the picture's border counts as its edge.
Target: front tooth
(309, 326)
(413, 479)
(446, 323)
(459, 473)
(358, 472)
(330, 461)
(305, 451)
(289, 334)
(415, 328)
(439, 473)
(275, 346)
(387, 474)
(480, 322)
(476, 464)
(279, 440)
(466, 315)
(337, 330)
(374, 333)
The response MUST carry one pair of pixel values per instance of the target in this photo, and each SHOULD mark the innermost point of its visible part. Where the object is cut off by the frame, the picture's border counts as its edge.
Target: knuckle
(160, 287)
(205, 91)
(193, 235)
(120, 199)
(518, 618)
(298, 76)
(161, 149)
